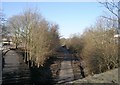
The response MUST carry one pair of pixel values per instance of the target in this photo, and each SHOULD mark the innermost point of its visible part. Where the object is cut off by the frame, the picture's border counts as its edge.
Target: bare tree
(15, 26)
(39, 38)
(114, 8)
(100, 50)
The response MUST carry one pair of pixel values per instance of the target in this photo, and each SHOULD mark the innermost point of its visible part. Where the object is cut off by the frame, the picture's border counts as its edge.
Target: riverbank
(43, 75)
(110, 77)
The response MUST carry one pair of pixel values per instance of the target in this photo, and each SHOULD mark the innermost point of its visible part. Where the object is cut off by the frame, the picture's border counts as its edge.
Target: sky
(72, 17)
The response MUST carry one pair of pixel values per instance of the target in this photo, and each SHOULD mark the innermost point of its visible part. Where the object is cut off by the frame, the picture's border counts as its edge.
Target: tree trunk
(16, 46)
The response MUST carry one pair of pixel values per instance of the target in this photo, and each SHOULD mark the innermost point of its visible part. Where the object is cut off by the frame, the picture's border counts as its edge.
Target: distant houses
(7, 40)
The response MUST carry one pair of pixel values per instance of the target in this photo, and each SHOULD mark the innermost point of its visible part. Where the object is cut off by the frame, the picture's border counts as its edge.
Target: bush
(100, 50)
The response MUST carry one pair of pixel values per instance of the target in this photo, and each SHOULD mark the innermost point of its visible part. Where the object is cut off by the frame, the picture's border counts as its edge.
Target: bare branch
(111, 6)
(109, 18)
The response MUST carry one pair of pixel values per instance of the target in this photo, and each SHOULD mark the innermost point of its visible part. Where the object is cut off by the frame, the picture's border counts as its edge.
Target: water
(15, 70)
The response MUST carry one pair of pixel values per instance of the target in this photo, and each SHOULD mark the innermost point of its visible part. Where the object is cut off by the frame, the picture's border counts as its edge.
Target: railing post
(119, 38)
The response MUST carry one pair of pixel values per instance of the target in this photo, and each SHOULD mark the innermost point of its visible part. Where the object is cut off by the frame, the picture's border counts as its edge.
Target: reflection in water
(15, 71)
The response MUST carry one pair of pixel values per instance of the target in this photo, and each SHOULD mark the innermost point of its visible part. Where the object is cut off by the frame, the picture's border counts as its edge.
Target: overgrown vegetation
(38, 37)
(97, 47)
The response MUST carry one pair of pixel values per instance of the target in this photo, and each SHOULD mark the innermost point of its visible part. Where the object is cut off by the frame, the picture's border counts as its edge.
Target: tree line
(97, 47)
(39, 37)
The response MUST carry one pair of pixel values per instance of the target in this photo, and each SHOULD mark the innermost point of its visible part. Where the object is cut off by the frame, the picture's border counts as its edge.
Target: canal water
(16, 71)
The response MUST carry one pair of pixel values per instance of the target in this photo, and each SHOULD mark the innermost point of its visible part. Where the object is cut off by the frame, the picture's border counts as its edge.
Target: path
(66, 71)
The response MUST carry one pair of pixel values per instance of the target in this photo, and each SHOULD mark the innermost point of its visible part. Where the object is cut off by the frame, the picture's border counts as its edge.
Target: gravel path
(66, 71)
